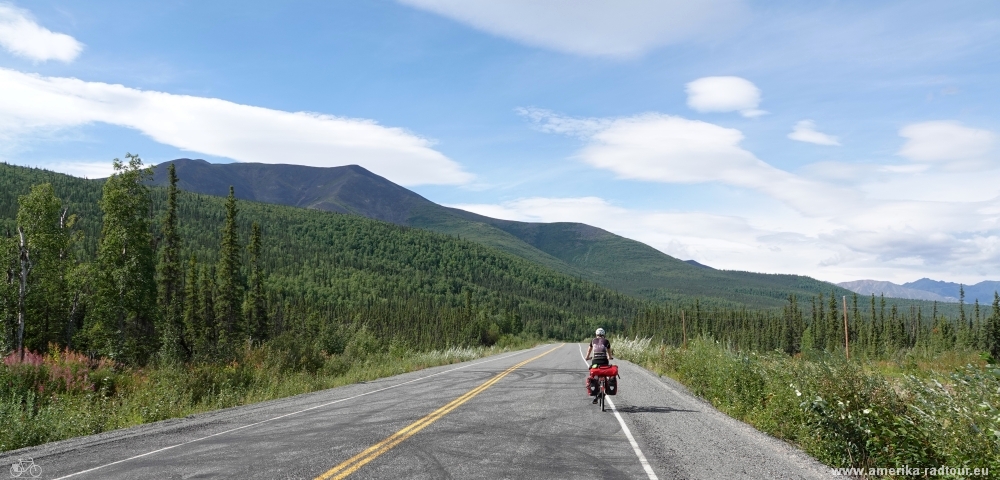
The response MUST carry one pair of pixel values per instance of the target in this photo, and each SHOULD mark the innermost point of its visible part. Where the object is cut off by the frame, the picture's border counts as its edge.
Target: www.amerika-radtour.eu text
(912, 471)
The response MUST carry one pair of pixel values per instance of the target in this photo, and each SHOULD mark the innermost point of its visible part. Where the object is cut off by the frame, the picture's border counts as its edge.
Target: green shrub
(844, 413)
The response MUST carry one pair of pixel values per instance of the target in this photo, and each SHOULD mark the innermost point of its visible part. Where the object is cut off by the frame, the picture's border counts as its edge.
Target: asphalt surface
(535, 421)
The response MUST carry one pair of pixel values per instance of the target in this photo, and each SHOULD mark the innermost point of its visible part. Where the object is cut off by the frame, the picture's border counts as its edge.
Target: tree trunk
(25, 268)
(71, 321)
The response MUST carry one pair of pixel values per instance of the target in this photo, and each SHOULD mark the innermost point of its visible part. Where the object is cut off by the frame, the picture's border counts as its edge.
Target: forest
(876, 328)
(120, 270)
(117, 269)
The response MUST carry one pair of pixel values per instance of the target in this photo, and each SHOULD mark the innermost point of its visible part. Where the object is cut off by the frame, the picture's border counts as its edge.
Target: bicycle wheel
(604, 382)
(35, 471)
(15, 471)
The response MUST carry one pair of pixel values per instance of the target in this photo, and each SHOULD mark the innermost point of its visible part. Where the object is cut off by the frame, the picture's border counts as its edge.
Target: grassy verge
(64, 394)
(847, 413)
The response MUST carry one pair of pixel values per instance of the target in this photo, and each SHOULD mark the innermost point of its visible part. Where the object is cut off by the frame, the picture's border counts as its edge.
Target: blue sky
(841, 140)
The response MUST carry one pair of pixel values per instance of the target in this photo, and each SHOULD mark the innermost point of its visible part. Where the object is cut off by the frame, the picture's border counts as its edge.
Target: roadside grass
(64, 394)
(918, 411)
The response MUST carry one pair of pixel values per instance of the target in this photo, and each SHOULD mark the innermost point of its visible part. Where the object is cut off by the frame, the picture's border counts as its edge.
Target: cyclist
(600, 350)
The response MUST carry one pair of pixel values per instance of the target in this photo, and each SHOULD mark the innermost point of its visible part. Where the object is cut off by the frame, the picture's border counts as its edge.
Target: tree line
(875, 327)
(127, 302)
(116, 268)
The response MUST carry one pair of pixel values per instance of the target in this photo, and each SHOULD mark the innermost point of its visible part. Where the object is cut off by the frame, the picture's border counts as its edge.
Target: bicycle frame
(603, 382)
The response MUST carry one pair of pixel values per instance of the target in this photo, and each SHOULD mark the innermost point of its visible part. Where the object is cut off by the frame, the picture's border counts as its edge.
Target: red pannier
(604, 371)
(609, 371)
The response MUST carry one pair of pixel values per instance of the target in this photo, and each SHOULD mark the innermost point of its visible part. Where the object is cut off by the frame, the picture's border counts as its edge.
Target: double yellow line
(354, 463)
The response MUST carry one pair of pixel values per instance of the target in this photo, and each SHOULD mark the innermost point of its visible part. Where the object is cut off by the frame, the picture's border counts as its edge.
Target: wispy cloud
(836, 221)
(221, 128)
(805, 131)
(550, 122)
(665, 148)
(21, 36)
(594, 27)
(724, 94)
(949, 144)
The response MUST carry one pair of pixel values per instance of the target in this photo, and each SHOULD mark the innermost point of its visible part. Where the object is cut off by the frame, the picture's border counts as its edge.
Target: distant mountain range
(573, 248)
(926, 289)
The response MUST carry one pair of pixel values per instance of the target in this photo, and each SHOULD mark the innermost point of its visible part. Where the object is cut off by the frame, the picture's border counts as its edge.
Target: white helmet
(600, 332)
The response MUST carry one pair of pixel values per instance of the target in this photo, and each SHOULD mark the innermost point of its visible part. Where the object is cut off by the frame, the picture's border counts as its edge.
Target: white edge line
(628, 433)
(289, 414)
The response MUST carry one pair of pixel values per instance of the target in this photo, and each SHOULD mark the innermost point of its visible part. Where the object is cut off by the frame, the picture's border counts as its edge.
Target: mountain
(574, 249)
(695, 263)
(982, 291)
(889, 289)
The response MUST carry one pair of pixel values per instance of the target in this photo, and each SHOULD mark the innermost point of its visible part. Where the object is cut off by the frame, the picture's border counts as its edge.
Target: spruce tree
(961, 303)
(194, 323)
(856, 321)
(979, 336)
(835, 325)
(206, 284)
(255, 308)
(820, 324)
(874, 327)
(174, 345)
(229, 284)
(9, 265)
(993, 329)
(792, 327)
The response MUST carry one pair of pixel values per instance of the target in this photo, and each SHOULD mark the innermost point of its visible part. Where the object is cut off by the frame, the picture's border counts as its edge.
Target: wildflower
(867, 411)
(798, 393)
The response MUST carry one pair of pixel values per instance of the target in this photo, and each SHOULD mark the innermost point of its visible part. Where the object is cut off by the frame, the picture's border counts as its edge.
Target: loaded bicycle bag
(604, 371)
(593, 387)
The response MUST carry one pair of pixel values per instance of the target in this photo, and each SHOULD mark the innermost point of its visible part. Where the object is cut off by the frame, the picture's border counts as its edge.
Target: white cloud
(949, 144)
(837, 221)
(624, 28)
(20, 35)
(549, 122)
(83, 169)
(665, 148)
(805, 131)
(220, 128)
(724, 94)
(721, 241)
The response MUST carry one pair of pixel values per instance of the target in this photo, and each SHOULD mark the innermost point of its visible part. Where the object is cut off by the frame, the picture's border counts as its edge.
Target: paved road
(517, 415)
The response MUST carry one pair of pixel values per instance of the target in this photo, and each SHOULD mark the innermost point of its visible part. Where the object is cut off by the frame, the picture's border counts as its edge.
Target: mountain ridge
(889, 289)
(927, 289)
(572, 248)
(982, 291)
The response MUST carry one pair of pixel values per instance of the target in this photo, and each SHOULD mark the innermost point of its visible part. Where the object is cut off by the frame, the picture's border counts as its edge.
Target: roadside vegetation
(918, 407)
(63, 394)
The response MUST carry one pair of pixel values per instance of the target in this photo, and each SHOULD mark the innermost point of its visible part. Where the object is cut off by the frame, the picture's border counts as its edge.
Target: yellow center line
(351, 465)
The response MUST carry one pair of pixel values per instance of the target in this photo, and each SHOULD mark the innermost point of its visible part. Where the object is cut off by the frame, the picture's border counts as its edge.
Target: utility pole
(847, 347)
